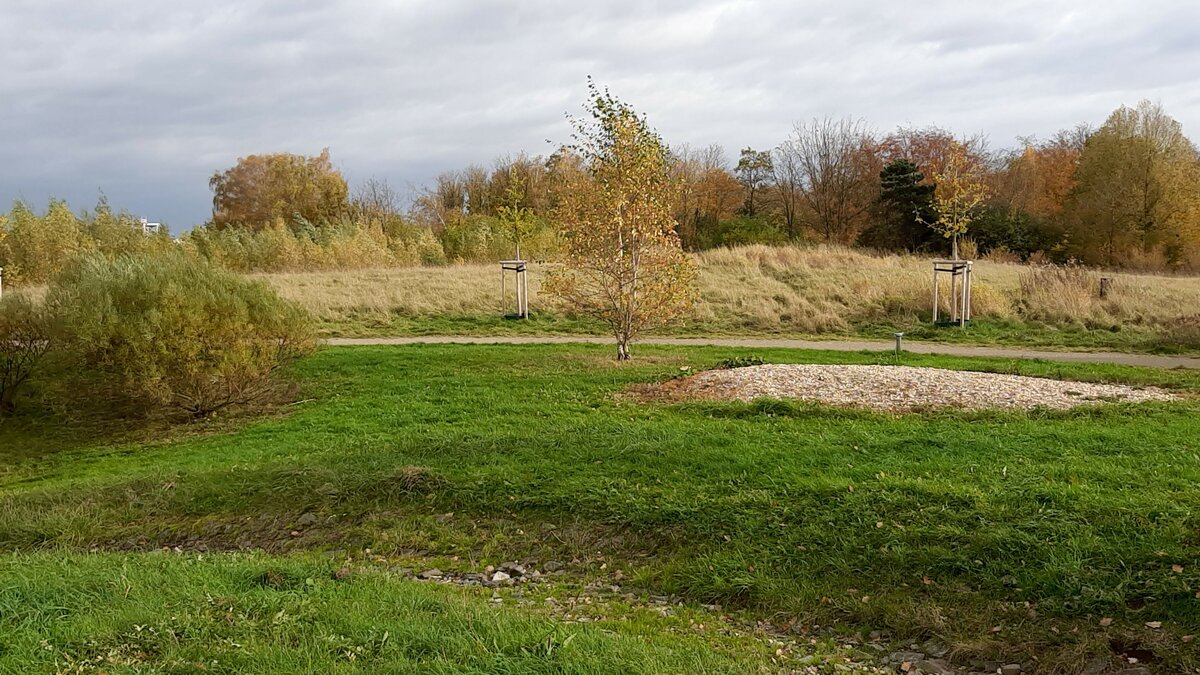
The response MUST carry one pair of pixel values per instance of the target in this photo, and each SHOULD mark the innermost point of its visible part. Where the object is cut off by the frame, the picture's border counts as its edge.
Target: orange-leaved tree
(624, 264)
(262, 190)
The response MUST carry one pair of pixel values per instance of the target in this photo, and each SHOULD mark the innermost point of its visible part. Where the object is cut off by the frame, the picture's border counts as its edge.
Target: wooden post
(935, 294)
(955, 310)
(525, 295)
(968, 308)
(523, 301)
(962, 314)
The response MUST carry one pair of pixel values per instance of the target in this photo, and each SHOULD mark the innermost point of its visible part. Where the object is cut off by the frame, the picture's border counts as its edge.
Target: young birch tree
(516, 220)
(960, 192)
(624, 264)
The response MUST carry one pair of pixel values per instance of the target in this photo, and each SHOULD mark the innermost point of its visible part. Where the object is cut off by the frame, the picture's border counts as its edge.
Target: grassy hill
(792, 534)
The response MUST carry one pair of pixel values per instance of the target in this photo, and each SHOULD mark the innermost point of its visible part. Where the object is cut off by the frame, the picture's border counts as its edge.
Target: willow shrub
(142, 335)
(24, 341)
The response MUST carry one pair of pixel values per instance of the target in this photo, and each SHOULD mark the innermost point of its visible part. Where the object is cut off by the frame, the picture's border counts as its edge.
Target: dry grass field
(782, 290)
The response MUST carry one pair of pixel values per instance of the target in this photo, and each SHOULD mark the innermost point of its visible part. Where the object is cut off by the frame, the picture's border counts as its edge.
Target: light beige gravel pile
(901, 388)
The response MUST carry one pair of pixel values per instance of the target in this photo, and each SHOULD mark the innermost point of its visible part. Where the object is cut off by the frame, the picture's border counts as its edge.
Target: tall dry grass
(774, 288)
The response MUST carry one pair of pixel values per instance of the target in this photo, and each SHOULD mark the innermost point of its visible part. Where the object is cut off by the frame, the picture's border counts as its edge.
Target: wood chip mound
(898, 388)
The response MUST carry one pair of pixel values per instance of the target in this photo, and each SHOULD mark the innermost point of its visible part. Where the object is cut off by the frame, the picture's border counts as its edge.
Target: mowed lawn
(1060, 537)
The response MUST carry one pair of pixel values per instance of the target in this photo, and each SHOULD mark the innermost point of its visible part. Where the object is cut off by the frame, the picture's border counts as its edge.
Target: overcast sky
(144, 99)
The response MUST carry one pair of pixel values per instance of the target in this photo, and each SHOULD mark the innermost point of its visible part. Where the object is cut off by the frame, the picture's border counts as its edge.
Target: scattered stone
(901, 657)
(552, 566)
(500, 577)
(935, 649)
(431, 574)
(933, 666)
(513, 569)
(1010, 669)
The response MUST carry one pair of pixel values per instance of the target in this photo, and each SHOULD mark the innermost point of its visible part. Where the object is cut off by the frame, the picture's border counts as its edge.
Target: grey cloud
(145, 99)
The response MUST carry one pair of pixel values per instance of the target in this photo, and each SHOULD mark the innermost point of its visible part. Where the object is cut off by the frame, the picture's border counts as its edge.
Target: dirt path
(1148, 360)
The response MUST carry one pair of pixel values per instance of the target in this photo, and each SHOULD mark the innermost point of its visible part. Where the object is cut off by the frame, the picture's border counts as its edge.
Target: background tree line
(1126, 194)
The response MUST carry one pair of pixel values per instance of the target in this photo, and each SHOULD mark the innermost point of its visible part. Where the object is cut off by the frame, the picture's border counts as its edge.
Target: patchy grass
(1007, 535)
(253, 613)
(787, 290)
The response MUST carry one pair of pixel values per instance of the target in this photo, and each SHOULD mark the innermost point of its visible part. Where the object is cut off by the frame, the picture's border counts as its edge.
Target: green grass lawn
(1009, 536)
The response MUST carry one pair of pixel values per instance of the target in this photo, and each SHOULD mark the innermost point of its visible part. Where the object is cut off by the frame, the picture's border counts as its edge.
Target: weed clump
(739, 362)
(415, 480)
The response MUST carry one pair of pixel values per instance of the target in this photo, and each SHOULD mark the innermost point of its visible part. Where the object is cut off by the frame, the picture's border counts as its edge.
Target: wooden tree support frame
(520, 282)
(960, 291)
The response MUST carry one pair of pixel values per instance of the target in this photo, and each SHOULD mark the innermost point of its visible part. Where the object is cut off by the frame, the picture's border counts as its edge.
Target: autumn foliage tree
(1137, 189)
(754, 171)
(624, 264)
(261, 190)
(959, 194)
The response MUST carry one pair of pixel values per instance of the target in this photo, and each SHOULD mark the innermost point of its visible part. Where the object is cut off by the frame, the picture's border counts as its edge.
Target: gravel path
(900, 388)
(1146, 360)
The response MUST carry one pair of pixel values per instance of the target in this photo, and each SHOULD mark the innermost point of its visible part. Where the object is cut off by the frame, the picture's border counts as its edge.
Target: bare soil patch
(896, 388)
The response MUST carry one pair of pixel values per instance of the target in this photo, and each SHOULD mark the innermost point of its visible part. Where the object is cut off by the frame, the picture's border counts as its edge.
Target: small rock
(500, 576)
(307, 519)
(935, 649)
(431, 574)
(513, 569)
(933, 666)
(552, 566)
(1010, 669)
(911, 657)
